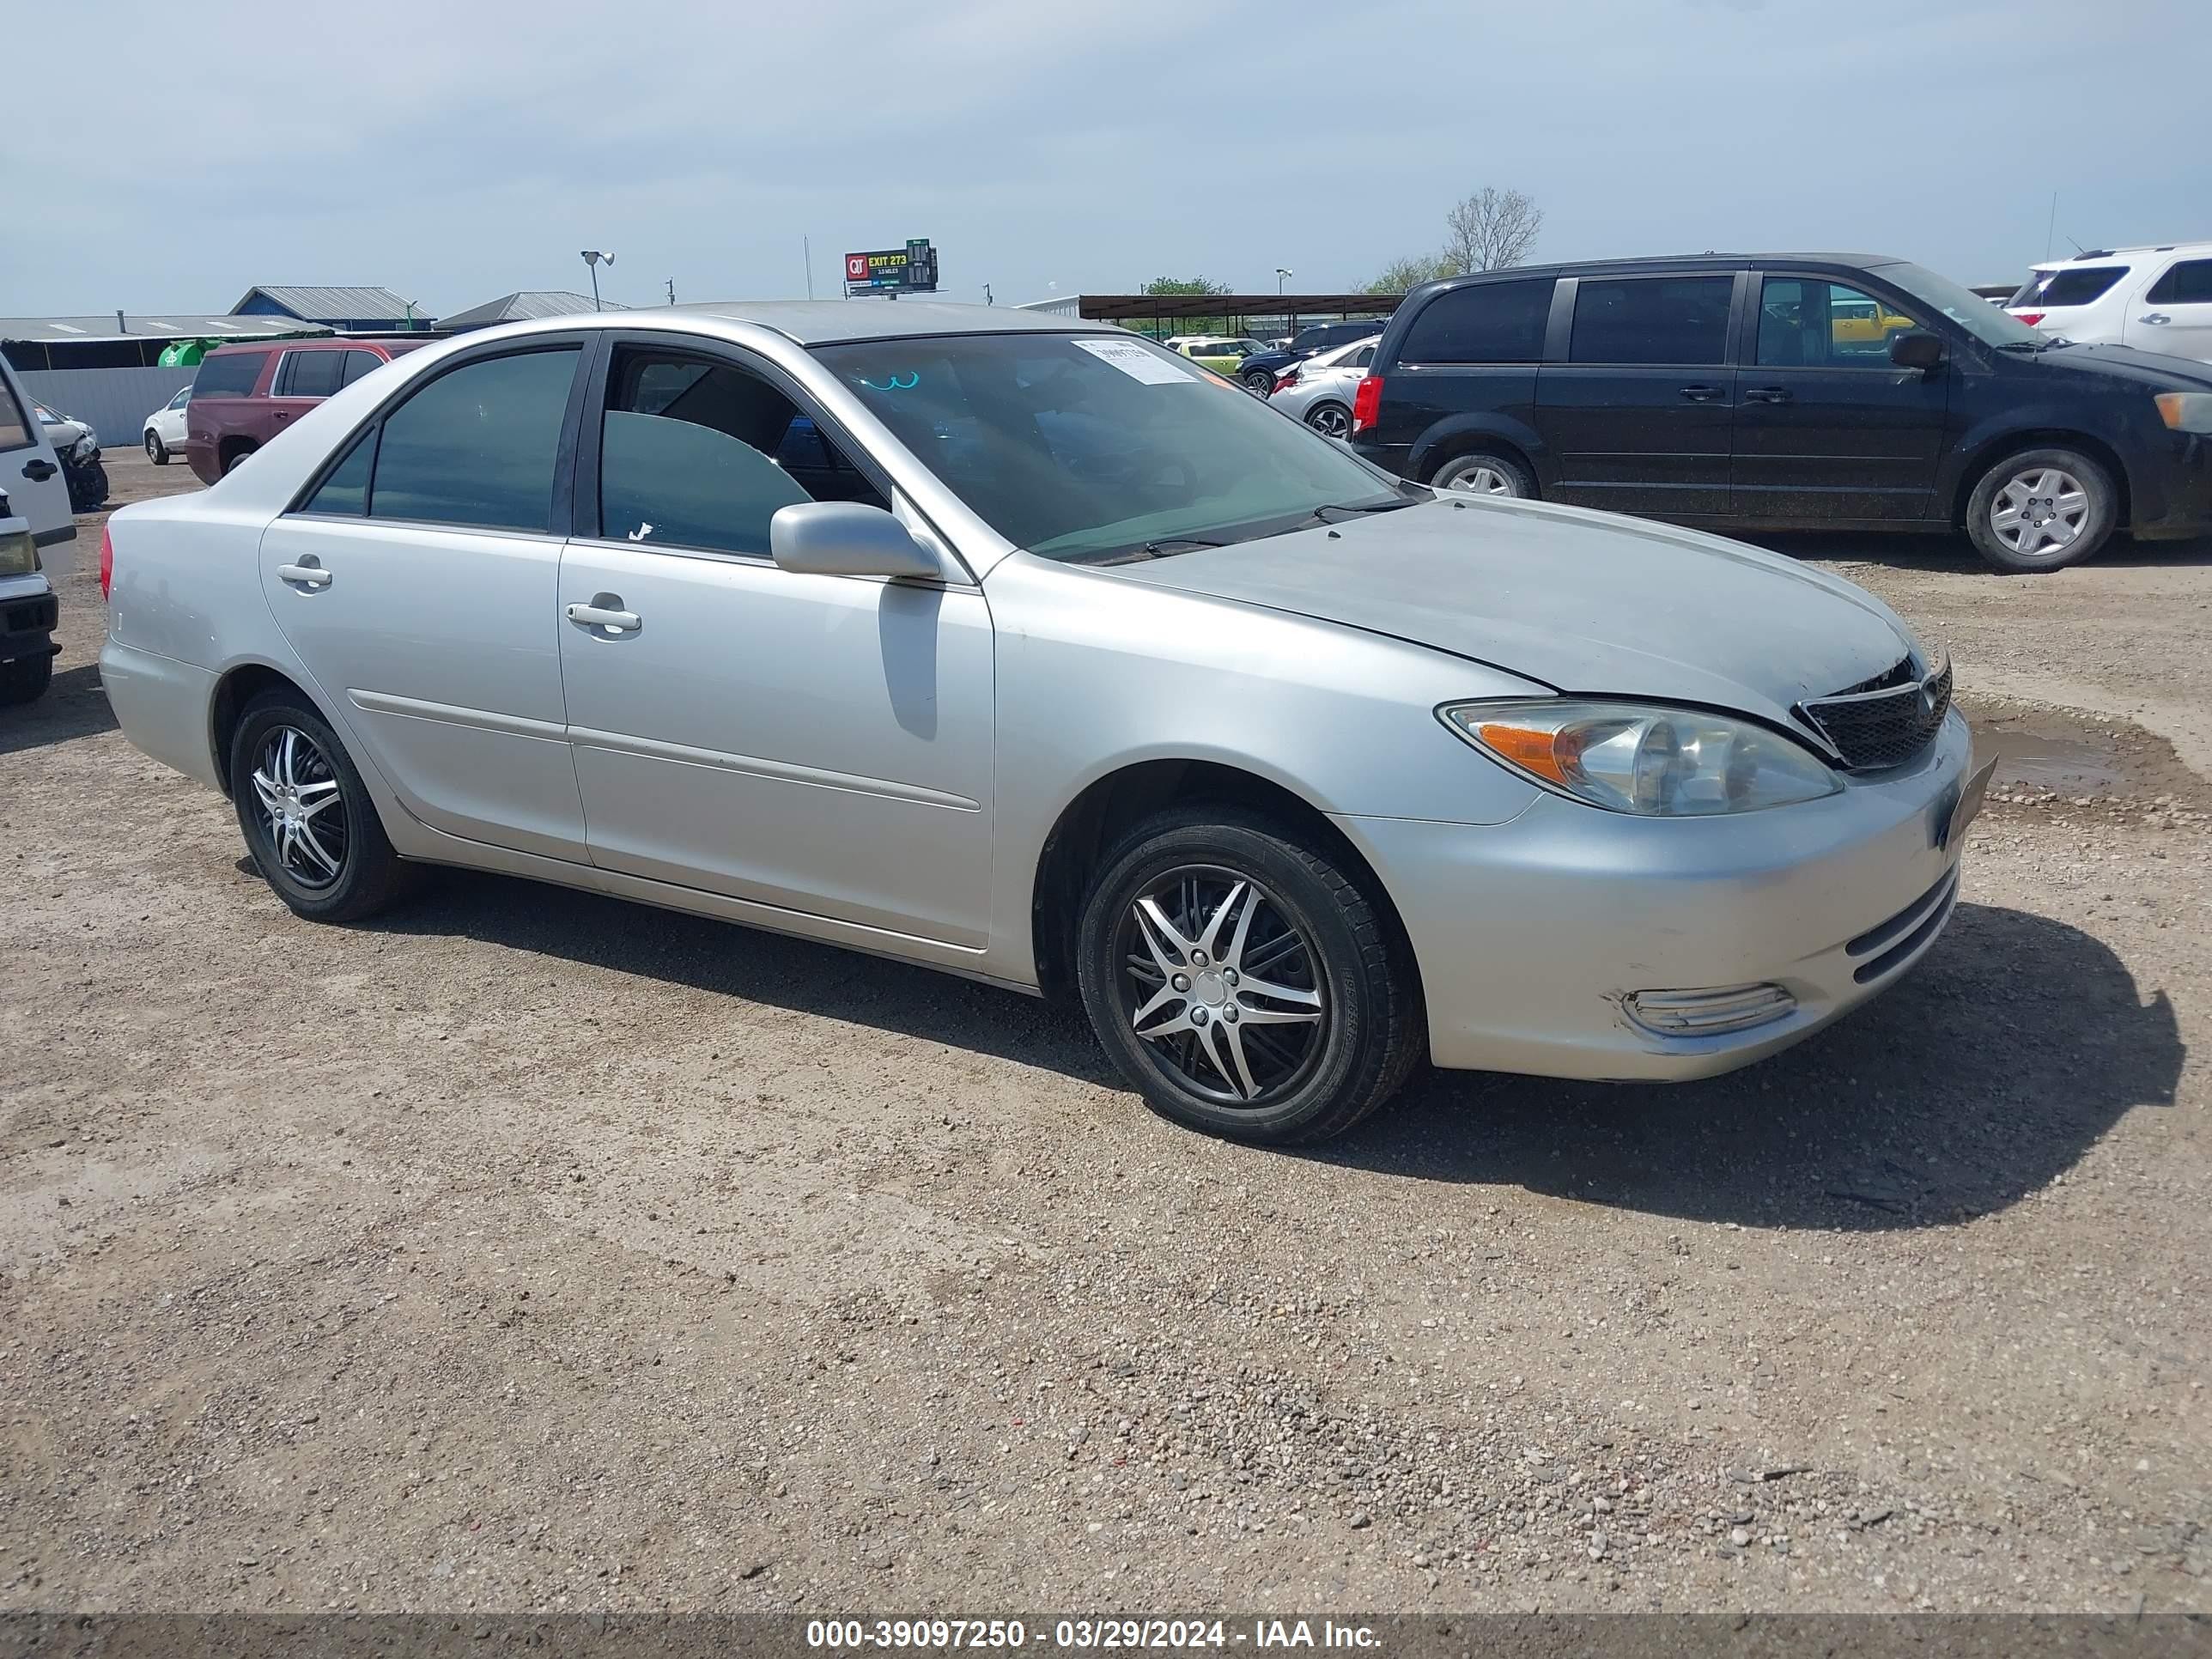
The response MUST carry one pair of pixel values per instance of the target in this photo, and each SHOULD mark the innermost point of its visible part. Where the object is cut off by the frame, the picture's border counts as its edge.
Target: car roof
(1678, 262)
(2095, 255)
(829, 322)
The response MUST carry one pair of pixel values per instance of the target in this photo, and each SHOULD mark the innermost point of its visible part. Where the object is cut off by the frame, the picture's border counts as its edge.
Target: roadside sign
(910, 270)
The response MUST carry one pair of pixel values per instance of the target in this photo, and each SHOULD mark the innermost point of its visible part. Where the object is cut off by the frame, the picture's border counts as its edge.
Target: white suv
(2155, 299)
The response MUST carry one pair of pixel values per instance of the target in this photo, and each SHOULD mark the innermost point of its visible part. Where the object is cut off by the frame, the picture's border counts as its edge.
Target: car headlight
(84, 449)
(2185, 412)
(18, 548)
(1632, 757)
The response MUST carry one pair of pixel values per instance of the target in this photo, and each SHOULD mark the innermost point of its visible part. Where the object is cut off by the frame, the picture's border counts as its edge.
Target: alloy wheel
(1476, 478)
(1222, 986)
(2040, 511)
(1331, 421)
(302, 808)
(1258, 385)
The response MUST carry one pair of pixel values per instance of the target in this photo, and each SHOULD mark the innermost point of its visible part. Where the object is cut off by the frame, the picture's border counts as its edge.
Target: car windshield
(1092, 447)
(1991, 325)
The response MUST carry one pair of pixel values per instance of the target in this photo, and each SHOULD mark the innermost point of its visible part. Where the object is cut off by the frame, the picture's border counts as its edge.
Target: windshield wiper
(1391, 506)
(1166, 547)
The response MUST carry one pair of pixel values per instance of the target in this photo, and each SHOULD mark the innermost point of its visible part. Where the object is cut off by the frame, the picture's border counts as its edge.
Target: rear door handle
(607, 615)
(310, 576)
(2155, 317)
(1768, 394)
(39, 469)
(1701, 394)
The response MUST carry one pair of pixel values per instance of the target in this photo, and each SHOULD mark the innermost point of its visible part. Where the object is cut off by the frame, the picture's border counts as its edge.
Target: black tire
(26, 678)
(1312, 1080)
(236, 460)
(369, 874)
(1259, 382)
(156, 450)
(2035, 484)
(1520, 483)
(1331, 420)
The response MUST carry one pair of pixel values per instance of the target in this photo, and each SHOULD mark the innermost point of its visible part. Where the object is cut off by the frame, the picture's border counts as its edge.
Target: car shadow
(74, 706)
(1989, 1070)
(1951, 552)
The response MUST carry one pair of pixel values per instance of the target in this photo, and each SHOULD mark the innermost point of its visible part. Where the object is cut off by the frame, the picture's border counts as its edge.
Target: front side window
(345, 490)
(1487, 323)
(181, 399)
(14, 426)
(1090, 447)
(2188, 282)
(475, 446)
(701, 454)
(227, 374)
(310, 373)
(1651, 319)
(2072, 285)
(1807, 322)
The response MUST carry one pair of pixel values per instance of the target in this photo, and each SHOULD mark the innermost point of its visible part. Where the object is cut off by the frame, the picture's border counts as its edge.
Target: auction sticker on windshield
(1138, 364)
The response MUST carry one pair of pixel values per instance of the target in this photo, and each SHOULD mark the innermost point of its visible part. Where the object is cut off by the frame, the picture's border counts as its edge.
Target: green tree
(1408, 272)
(1176, 286)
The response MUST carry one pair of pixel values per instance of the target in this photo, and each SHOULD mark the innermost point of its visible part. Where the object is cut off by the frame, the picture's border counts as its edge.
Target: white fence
(115, 401)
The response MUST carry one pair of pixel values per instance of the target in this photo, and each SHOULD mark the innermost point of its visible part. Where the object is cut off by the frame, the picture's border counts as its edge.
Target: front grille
(1884, 722)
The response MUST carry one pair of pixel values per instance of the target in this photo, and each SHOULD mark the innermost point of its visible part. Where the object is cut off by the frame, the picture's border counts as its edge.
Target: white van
(36, 536)
(2154, 299)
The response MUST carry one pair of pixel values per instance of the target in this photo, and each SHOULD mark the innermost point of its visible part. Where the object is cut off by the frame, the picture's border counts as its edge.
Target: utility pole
(672, 290)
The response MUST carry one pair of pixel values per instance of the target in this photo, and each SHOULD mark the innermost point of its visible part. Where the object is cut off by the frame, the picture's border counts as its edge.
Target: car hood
(2154, 369)
(1585, 602)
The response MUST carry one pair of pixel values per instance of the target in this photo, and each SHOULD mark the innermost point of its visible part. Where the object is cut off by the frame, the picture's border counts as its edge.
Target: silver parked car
(1319, 390)
(1034, 652)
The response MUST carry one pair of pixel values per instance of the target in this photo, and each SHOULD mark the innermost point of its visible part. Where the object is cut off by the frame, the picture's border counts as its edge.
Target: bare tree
(1492, 229)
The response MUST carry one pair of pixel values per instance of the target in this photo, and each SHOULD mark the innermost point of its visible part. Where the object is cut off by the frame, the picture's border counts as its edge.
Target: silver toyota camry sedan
(1031, 652)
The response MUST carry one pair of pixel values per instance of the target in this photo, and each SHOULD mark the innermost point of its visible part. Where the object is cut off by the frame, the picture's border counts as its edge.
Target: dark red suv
(245, 395)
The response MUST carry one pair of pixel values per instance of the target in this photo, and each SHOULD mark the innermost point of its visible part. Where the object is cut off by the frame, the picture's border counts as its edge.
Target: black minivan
(1816, 391)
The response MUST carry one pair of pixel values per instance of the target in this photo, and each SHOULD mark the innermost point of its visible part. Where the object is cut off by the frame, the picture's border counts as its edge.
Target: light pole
(592, 258)
(1282, 276)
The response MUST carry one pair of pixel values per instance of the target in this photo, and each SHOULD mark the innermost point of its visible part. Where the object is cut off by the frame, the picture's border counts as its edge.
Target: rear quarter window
(2074, 286)
(229, 374)
(1489, 323)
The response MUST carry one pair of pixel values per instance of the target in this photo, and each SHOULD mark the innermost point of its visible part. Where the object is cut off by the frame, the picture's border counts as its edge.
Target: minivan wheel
(307, 815)
(2042, 509)
(1482, 474)
(156, 450)
(1330, 420)
(1244, 982)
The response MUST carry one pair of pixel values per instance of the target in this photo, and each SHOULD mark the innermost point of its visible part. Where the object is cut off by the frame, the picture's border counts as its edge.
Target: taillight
(1367, 402)
(107, 560)
(1288, 377)
(2031, 318)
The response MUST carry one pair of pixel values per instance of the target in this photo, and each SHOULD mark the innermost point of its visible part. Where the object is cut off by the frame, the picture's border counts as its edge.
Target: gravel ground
(528, 1250)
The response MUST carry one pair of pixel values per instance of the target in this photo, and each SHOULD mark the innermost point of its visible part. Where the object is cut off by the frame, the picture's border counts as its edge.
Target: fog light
(1708, 1013)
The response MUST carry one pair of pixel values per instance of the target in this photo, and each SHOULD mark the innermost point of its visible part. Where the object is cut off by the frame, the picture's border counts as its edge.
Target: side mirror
(1916, 350)
(846, 538)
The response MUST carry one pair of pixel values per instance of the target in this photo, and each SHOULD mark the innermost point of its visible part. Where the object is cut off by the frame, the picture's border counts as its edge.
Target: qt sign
(912, 268)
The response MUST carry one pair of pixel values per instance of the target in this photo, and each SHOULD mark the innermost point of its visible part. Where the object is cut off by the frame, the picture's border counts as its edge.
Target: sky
(175, 159)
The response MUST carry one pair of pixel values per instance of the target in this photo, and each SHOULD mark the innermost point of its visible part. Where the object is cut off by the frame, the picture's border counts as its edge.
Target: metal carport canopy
(1120, 307)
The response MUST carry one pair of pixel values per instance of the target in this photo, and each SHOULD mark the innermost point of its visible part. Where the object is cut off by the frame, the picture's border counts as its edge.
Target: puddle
(2049, 751)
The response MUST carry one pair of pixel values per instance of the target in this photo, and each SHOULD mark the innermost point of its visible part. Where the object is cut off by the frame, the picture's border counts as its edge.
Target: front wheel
(1259, 382)
(1244, 982)
(1484, 474)
(307, 815)
(1330, 420)
(26, 678)
(2042, 509)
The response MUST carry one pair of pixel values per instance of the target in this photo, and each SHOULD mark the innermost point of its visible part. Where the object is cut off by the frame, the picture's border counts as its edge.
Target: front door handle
(2155, 317)
(308, 574)
(1701, 394)
(605, 611)
(37, 470)
(1768, 394)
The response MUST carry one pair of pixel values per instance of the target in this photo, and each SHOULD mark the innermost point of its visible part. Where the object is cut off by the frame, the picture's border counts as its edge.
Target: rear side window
(2188, 283)
(1489, 323)
(227, 374)
(15, 428)
(358, 363)
(309, 373)
(1651, 319)
(477, 445)
(2075, 285)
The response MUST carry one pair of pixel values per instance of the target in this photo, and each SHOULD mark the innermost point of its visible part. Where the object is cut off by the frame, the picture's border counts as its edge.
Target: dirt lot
(529, 1250)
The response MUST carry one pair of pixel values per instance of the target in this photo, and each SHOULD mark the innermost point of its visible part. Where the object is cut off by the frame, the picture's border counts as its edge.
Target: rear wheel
(1481, 473)
(307, 815)
(1330, 420)
(235, 459)
(1244, 982)
(156, 450)
(2042, 509)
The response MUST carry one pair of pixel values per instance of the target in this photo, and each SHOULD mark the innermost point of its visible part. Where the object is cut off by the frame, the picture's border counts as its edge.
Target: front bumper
(28, 615)
(1533, 934)
(2173, 495)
